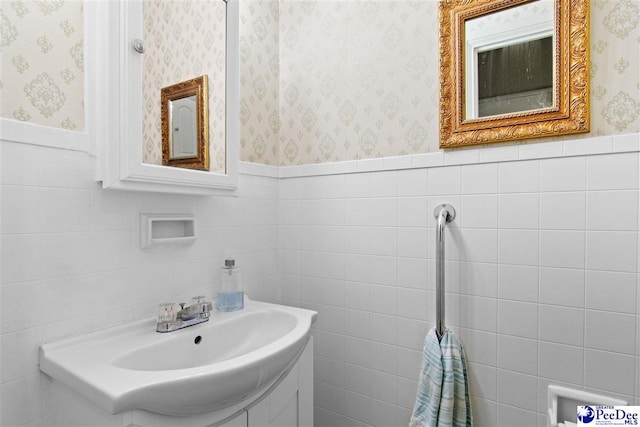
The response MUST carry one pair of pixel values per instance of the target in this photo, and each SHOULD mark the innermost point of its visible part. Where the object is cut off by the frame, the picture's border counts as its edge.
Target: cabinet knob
(138, 45)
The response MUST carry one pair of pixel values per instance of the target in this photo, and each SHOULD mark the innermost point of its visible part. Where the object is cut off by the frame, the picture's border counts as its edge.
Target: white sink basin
(237, 355)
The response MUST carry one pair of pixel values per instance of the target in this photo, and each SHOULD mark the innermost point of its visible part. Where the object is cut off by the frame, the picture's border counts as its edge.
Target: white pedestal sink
(195, 370)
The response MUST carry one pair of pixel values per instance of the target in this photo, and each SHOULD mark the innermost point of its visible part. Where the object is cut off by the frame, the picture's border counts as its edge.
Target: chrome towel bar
(443, 213)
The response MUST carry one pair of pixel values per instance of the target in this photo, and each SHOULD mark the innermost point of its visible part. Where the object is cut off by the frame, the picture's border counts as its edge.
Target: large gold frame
(570, 113)
(200, 88)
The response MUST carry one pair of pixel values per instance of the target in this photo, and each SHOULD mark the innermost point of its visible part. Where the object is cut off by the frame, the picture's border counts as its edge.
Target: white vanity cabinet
(288, 402)
(291, 402)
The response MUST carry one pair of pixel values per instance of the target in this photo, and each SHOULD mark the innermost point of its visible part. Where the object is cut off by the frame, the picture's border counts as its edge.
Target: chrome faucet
(172, 317)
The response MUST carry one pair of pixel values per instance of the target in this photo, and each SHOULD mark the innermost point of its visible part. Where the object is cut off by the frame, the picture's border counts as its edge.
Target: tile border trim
(627, 143)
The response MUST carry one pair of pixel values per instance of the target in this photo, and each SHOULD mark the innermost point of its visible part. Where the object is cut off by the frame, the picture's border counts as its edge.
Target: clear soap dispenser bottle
(231, 295)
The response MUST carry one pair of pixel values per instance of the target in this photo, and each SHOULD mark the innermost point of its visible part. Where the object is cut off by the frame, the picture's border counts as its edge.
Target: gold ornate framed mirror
(512, 70)
(185, 124)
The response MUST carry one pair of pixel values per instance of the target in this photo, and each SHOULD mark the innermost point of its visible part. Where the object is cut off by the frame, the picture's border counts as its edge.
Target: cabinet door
(266, 415)
(239, 421)
(280, 407)
(118, 134)
(305, 386)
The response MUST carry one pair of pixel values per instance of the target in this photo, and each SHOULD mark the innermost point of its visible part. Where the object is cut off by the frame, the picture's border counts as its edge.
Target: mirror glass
(183, 137)
(509, 60)
(183, 40)
(185, 124)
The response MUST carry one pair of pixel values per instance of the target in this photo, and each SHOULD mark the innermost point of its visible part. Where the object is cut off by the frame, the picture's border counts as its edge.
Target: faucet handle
(203, 306)
(167, 312)
(199, 299)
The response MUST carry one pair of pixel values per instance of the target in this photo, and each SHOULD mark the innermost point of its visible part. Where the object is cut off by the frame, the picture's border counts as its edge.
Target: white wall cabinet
(287, 403)
(117, 77)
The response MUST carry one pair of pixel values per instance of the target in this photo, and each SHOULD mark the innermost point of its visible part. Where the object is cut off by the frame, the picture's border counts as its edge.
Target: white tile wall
(70, 259)
(542, 278)
(518, 354)
(542, 274)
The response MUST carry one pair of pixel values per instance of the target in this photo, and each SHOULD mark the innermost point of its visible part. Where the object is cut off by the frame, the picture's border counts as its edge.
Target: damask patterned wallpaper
(260, 81)
(358, 79)
(42, 68)
(615, 66)
(184, 40)
(320, 81)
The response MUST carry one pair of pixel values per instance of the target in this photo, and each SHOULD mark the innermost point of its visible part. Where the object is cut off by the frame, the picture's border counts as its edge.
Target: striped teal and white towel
(443, 388)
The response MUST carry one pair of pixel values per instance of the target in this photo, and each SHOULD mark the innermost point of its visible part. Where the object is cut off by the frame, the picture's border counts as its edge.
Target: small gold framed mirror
(513, 70)
(185, 124)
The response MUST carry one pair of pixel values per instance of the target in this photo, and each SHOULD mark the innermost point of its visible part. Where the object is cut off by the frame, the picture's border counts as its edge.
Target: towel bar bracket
(451, 212)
